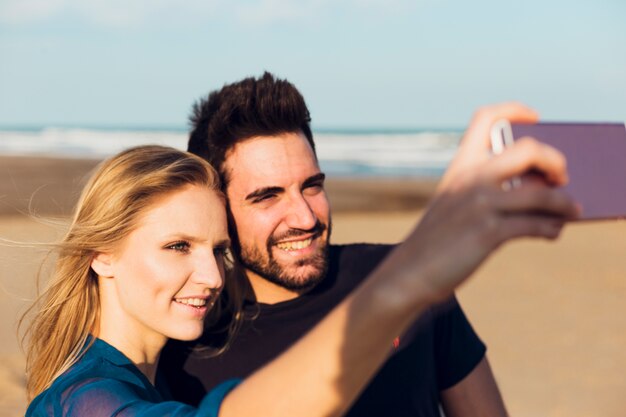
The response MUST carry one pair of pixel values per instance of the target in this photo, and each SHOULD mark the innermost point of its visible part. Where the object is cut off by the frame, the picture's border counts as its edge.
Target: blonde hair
(117, 194)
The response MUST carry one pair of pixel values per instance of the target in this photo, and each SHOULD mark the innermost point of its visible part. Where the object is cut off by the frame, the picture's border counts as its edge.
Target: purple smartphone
(596, 161)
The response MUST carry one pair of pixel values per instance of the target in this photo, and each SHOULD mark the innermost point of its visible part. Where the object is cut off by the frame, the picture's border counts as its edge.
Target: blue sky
(367, 63)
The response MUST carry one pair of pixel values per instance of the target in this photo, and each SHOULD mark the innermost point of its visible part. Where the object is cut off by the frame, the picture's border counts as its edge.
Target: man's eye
(181, 246)
(265, 197)
(314, 188)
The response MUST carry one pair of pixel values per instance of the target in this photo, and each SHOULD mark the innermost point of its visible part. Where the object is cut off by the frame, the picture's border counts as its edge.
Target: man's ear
(101, 263)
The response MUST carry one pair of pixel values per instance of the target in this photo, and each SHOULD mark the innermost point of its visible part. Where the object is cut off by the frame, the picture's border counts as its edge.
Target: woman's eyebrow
(223, 243)
(190, 238)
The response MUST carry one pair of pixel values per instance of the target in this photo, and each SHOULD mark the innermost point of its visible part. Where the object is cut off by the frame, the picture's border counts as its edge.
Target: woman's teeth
(294, 245)
(194, 302)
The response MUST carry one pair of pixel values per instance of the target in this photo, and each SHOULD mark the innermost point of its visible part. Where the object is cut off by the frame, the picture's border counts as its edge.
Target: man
(257, 134)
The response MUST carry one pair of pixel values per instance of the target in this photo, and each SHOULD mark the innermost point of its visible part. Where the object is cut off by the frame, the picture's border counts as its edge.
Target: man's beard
(268, 268)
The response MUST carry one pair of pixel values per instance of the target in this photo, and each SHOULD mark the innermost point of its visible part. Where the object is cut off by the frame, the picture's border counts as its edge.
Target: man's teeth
(295, 245)
(194, 302)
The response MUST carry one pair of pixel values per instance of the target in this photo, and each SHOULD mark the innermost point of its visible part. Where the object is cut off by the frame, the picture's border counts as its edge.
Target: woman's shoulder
(102, 365)
(97, 379)
(95, 396)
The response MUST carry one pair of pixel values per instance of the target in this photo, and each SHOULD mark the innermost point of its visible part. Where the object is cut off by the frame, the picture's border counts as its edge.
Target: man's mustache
(316, 230)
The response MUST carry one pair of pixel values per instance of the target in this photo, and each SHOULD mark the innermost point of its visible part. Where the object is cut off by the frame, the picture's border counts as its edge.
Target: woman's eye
(220, 251)
(179, 246)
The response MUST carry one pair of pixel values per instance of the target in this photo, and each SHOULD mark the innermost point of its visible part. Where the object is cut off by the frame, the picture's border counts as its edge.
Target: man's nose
(301, 215)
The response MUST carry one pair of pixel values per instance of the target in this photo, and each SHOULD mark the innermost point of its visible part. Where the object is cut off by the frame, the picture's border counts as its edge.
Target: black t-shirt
(438, 351)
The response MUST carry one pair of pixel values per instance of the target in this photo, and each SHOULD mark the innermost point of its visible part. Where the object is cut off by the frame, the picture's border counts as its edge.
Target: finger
(497, 230)
(526, 155)
(477, 134)
(527, 225)
(537, 198)
(535, 177)
(475, 147)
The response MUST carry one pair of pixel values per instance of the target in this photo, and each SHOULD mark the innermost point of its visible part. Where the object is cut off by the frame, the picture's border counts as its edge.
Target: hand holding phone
(596, 161)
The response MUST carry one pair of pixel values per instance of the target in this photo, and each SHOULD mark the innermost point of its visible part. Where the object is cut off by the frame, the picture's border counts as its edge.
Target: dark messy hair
(264, 106)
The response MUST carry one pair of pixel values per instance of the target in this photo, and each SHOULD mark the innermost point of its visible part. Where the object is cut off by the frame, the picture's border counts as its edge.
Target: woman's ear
(102, 264)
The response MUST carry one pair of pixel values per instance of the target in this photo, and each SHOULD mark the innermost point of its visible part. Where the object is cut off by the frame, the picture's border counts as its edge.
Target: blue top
(106, 383)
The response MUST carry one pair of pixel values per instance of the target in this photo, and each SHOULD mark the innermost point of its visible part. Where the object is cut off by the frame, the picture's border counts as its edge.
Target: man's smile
(294, 244)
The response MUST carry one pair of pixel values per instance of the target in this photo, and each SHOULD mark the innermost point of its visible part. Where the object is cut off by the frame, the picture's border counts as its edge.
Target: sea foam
(367, 153)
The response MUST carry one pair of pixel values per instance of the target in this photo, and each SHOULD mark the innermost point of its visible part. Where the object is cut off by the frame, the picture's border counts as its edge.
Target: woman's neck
(139, 344)
(143, 353)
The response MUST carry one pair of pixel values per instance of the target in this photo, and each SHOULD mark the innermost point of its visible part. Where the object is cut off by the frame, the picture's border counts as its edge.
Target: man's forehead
(260, 147)
(266, 161)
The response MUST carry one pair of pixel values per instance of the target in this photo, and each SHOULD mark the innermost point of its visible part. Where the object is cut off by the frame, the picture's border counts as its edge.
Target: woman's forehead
(193, 210)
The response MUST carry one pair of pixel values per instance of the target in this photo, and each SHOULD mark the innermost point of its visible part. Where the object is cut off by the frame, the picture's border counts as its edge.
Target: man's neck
(267, 292)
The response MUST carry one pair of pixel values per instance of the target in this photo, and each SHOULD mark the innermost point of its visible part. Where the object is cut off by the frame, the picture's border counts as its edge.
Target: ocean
(342, 152)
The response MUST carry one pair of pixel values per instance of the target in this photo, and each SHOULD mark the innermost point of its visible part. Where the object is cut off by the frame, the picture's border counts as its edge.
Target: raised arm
(478, 394)
(470, 217)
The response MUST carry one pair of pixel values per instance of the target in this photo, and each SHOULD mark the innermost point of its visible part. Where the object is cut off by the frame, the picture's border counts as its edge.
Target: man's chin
(298, 278)
(296, 273)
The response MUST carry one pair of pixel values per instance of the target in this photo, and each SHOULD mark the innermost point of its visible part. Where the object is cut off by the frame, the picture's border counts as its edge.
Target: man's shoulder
(359, 254)
(350, 250)
(353, 262)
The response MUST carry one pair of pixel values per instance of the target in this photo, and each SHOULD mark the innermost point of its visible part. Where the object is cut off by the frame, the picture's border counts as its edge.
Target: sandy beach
(552, 313)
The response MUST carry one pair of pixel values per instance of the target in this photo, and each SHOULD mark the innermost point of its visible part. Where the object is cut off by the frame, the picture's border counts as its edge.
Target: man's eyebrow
(264, 191)
(314, 180)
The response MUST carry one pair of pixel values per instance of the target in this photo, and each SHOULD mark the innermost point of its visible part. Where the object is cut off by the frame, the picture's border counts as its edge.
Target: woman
(144, 260)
